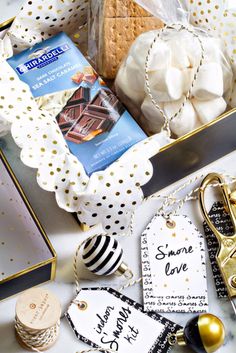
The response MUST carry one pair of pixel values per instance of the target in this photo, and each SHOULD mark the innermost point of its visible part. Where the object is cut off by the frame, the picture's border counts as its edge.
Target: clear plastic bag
(113, 26)
(182, 74)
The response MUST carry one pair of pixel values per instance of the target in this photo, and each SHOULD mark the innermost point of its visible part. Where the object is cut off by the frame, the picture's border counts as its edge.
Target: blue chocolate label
(96, 126)
(42, 57)
(50, 66)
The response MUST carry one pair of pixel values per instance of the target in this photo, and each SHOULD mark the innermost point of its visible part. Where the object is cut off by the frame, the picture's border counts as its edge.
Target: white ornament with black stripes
(103, 255)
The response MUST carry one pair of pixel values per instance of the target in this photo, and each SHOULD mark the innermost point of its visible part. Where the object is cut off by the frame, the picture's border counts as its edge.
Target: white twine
(37, 339)
(130, 284)
(192, 195)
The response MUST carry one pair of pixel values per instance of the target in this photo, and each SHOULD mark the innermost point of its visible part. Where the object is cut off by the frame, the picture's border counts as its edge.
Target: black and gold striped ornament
(103, 255)
(203, 334)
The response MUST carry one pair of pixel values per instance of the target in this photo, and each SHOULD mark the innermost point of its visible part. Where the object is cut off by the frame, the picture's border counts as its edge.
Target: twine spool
(37, 319)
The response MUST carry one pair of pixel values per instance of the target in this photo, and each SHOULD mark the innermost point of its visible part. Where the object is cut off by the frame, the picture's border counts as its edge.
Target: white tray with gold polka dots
(27, 257)
(111, 196)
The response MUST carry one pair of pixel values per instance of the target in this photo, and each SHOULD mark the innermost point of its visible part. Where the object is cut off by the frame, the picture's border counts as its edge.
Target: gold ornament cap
(203, 334)
(180, 338)
(212, 332)
(123, 269)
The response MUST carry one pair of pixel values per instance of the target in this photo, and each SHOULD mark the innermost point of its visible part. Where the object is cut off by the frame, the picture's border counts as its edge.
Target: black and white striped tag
(105, 318)
(221, 220)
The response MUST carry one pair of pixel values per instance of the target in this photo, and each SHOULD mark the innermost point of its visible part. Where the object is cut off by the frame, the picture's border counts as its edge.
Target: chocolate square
(81, 95)
(107, 100)
(68, 116)
(82, 122)
(86, 127)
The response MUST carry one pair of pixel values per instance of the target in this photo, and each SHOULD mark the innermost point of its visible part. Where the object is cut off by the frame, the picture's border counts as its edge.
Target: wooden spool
(37, 309)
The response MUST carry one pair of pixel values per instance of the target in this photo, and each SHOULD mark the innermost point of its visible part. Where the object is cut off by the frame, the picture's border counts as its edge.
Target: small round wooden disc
(23, 345)
(38, 309)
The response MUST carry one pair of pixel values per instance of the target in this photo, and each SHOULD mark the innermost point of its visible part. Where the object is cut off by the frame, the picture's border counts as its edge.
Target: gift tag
(104, 318)
(173, 266)
(221, 220)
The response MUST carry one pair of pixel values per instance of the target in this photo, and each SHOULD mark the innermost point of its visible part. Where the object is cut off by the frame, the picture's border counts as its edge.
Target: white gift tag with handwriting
(173, 266)
(104, 318)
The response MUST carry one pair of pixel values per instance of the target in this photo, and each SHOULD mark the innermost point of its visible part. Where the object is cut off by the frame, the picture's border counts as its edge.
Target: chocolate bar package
(96, 126)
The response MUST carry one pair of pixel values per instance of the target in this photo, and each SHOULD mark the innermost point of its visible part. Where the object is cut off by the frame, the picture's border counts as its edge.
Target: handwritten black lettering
(124, 314)
(175, 270)
(132, 335)
(162, 254)
(103, 319)
(113, 345)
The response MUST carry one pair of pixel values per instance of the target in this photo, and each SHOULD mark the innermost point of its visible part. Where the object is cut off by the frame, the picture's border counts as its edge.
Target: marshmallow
(209, 110)
(180, 58)
(172, 66)
(188, 75)
(160, 55)
(191, 47)
(184, 122)
(215, 51)
(152, 120)
(209, 83)
(135, 75)
(123, 84)
(212, 50)
(166, 85)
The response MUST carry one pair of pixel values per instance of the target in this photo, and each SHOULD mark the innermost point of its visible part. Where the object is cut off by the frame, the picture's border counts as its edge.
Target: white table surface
(65, 236)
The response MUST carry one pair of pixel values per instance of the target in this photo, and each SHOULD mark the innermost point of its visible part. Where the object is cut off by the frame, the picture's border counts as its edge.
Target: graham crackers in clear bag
(113, 26)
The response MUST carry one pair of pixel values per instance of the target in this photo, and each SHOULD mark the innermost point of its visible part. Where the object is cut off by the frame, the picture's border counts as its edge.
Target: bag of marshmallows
(181, 74)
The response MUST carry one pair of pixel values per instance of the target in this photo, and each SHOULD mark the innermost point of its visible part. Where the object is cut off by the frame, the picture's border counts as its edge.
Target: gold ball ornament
(204, 333)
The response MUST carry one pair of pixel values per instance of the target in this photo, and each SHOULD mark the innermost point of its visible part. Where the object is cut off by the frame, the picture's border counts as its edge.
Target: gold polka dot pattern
(39, 20)
(113, 195)
(108, 197)
(215, 17)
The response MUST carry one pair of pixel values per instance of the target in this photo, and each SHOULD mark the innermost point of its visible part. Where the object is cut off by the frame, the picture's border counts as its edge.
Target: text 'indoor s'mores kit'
(96, 126)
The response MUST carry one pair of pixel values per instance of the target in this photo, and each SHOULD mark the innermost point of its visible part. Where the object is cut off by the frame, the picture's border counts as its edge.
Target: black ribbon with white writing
(221, 220)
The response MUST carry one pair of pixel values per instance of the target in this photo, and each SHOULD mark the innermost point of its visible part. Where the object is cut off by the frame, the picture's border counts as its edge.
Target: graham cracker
(123, 8)
(116, 38)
